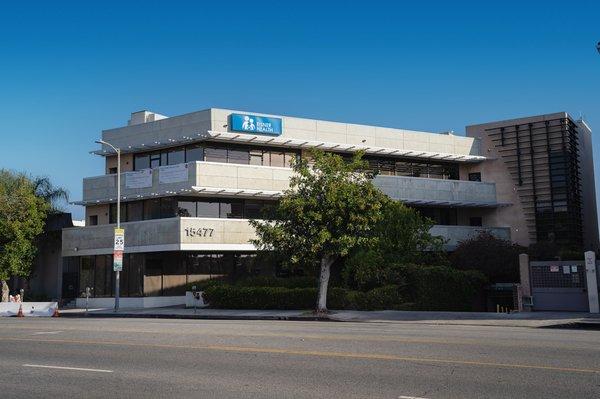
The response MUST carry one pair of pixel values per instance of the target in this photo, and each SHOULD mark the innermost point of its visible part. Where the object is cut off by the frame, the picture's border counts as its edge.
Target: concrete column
(592, 281)
(524, 275)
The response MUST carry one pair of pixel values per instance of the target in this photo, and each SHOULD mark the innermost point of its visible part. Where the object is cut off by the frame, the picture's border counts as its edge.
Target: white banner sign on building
(173, 173)
(139, 179)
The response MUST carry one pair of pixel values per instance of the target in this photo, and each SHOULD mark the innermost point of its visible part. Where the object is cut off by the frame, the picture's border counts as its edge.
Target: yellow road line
(510, 343)
(364, 356)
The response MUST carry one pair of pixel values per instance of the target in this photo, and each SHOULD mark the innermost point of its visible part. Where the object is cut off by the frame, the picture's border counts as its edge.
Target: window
(194, 153)
(476, 176)
(475, 221)
(141, 162)
(208, 209)
(135, 211)
(176, 156)
(93, 220)
(112, 171)
(253, 209)
(152, 209)
(186, 209)
(238, 156)
(277, 159)
(168, 207)
(215, 155)
(231, 210)
(112, 212)
(155, 160)
(256, 157)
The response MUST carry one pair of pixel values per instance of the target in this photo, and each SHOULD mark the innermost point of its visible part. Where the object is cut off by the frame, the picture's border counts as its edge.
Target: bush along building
(190, 183)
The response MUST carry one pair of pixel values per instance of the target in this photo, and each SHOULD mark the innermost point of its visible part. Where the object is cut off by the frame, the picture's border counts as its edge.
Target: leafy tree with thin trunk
(22, 219)
(330, 208)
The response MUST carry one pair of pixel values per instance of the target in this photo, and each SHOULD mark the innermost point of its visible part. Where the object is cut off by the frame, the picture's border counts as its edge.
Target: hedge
(422, 288)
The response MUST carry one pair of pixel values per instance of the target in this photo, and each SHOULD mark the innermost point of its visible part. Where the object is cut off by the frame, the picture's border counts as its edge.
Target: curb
(197, 317)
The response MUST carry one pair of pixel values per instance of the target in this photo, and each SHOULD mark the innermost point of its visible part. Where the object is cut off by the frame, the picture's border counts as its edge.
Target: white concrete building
(191, 182)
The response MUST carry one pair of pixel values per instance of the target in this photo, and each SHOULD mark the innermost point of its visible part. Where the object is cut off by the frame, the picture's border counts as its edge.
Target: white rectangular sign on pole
(118, 250)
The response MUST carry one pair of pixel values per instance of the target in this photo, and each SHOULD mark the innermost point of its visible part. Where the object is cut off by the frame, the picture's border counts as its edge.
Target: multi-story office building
(191, 182)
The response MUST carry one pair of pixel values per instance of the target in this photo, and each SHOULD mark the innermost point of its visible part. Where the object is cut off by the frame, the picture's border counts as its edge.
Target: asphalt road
(150, 358)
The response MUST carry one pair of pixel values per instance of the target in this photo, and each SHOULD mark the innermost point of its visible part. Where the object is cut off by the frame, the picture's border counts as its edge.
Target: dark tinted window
(195, 153)
(475, 176)
(186, 208)
(168, 207)
(141, 162)
(176, 157)
(152, 209)
(135, 211)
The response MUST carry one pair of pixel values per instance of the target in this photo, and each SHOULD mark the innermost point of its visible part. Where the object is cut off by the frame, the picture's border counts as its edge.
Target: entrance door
(559, 286)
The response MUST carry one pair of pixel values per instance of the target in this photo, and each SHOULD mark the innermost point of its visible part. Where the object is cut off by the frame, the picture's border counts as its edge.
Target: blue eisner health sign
(255, 124)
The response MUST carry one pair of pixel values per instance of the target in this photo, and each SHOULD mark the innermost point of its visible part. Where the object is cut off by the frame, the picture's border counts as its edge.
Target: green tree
(330, 208)
(402, 238)
(22, 219)
(498, 259)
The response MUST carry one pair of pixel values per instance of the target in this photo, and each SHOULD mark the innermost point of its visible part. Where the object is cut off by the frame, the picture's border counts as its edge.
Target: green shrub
(233, 297)
(442, 288)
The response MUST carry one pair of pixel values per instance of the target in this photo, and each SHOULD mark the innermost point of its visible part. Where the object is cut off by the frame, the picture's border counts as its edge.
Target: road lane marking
(298, 352)
(42, 366)
(410, 397)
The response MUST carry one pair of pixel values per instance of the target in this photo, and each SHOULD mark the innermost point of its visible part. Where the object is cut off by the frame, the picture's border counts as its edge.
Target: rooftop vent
(140, 117)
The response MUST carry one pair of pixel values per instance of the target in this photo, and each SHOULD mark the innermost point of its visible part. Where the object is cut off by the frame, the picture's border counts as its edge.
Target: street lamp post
(117, 272)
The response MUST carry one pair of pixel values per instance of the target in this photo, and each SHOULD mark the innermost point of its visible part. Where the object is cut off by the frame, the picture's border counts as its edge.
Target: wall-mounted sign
(554, 268)
(255, 124)
(139, 179)
(173, 173)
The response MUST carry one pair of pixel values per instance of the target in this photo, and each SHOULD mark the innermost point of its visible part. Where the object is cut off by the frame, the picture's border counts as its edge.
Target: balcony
(173, 234)
(437, 192)
(207, 178)
(227, 179)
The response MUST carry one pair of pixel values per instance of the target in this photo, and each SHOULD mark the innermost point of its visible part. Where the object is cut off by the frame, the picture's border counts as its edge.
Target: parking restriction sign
(119, 240)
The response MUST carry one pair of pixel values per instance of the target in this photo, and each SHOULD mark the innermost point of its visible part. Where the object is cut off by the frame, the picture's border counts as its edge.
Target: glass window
(168, 207)
(93, 220)
(239, 156)
(277, 159)
(256, 157)
(231, 210)
(475, 221)
(186, 209)
(289, 156)
(135, 274)
(163, 159)
(208, 209)
(155, 160)
(194, 153)
(475, 176)
(135, 211)
(176, 156)
(86, 276)
(152, 209)
(215, 155)
(112, 212)
(141, 162)
(253, 209)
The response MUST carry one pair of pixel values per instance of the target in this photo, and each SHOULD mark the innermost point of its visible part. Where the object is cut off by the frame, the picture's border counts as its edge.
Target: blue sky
(70, 69)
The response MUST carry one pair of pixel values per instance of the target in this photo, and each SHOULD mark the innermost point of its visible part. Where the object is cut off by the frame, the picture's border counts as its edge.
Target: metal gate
(559, 286)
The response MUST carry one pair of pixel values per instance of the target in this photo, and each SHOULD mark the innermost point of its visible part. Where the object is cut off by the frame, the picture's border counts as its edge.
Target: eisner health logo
(255, 124)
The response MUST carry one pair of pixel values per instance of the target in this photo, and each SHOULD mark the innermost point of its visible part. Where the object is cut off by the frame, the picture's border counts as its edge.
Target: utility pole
(117, 268)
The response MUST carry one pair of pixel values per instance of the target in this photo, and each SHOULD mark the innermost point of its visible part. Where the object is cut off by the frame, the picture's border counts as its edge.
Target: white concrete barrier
(30, 309)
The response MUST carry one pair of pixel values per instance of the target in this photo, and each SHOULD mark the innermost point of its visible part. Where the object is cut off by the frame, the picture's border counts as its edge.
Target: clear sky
(70, 69)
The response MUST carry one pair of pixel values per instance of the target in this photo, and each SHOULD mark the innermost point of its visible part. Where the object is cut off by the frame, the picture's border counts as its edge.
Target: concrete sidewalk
(529, 319)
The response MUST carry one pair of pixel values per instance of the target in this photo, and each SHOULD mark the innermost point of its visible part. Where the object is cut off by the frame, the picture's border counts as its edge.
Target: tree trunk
(326, 262)
(5, 291)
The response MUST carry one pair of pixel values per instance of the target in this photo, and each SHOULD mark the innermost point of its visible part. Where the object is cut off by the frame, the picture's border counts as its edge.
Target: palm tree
(53, 195)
